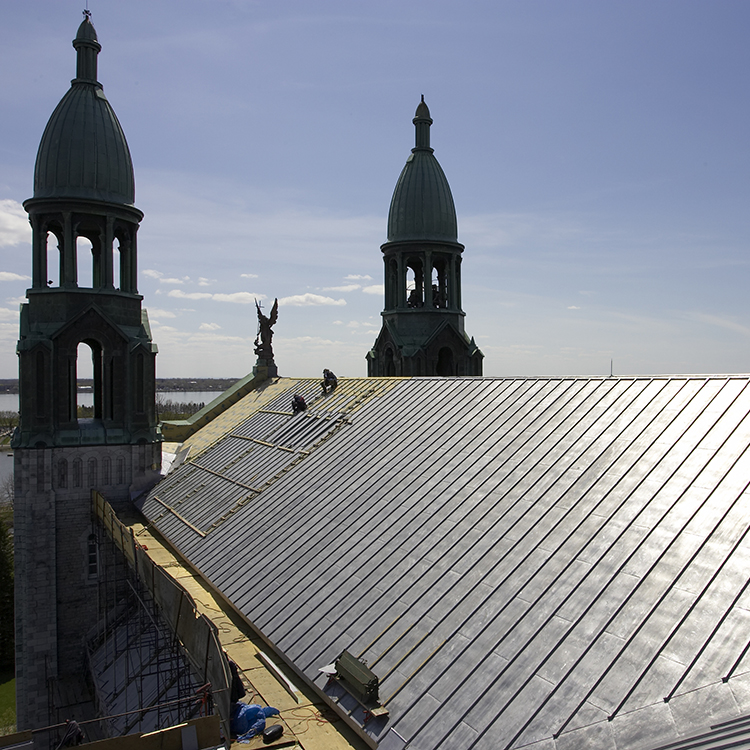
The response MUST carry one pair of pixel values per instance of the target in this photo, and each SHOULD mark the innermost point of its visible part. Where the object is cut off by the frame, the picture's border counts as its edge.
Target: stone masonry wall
(57, 565)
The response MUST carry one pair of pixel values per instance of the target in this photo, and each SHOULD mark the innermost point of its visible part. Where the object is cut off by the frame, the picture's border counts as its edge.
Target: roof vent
(359, 678)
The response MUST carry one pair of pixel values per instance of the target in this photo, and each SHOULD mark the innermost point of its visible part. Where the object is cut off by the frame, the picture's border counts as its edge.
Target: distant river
(9, 402)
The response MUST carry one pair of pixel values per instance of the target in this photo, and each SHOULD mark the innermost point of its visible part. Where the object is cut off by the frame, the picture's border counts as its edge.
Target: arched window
(117, 264)
(414, 283)
(54, 257)
(120, 470)
(85, 261)
(106, 470)
(77, 472)
(92, 470)
(439, 283)
(62, 473)
(389, 366)
(445, 362)
(89, 377)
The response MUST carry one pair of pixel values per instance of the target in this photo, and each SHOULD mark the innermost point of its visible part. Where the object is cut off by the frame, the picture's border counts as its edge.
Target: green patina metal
(423, 323)
(422, 206)
(84, 188)
(83, 152)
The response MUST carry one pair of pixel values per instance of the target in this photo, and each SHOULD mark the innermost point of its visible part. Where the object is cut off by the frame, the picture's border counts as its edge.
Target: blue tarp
(249, 719)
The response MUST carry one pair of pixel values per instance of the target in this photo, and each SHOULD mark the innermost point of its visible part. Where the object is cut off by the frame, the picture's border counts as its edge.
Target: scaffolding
(153, 660)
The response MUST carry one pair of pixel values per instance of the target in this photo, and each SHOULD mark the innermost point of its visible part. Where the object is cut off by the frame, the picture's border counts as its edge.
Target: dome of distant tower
(422, 206)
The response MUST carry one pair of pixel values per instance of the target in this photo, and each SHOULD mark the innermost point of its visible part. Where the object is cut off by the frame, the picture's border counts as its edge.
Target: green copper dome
(422, 205)
(83, 152)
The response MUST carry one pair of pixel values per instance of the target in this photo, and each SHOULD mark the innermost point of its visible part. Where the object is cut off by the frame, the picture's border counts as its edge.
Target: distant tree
(8, 421)
(7, 632)
(7, 492)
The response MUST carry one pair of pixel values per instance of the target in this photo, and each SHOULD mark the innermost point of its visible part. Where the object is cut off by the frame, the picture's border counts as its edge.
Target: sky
(598, 154)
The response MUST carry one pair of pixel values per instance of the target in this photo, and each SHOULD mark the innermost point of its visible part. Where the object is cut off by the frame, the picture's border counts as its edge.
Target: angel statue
(265, 334)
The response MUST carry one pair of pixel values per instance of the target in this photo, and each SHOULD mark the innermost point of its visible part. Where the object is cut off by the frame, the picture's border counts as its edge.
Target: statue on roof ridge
(263, 348)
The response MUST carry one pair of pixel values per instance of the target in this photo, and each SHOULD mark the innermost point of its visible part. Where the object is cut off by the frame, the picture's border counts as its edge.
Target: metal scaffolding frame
(151, 652)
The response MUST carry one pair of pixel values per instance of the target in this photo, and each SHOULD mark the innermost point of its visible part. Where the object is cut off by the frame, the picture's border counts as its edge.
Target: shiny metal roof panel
(519, 560)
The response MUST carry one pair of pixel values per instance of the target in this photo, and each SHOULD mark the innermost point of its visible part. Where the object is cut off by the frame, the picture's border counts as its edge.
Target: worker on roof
(330, 381)
(298, 404)
(73, 734)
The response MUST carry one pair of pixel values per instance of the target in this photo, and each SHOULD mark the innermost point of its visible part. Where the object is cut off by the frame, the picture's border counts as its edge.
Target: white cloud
(573, 307)
(347, 288)
(6, 314)
(374, 289)
(152, 273)
(14, 224)
(157, 313)
(209, 327)
(16, 300)
(170, 280)
(249, 275)
(242, 298)
(189, 295)
(308, 299)
(10, 276)
(357, 277)
(205, 282)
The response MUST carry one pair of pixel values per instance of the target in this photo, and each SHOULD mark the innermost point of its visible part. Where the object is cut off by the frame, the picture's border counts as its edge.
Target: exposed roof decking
(515, 558)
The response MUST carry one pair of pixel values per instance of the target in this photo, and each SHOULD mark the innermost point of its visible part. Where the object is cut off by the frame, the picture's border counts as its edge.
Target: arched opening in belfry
(54, 259)
(445, 362)
(89, 377)
(414, 283)
(389, 366)
(85, 262)
(439, 283)
(117, 263)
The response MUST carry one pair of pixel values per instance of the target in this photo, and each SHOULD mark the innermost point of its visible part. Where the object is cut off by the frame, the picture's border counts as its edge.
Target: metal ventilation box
(359, 678)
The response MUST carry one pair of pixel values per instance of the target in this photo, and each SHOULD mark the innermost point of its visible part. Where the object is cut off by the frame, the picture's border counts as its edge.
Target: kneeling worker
(330, 381)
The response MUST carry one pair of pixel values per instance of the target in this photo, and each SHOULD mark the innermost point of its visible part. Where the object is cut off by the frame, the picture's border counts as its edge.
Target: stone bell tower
(83, 301)
(423, 323)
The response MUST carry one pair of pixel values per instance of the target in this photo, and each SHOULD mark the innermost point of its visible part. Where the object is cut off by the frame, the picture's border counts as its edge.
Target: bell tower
(423, 323)
(83, 302)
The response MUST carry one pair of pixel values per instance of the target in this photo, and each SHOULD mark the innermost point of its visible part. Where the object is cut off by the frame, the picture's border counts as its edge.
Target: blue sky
(598, 154)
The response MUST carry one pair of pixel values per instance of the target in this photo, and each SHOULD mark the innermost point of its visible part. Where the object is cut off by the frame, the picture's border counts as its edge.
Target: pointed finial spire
(422, 122)
(87, 46)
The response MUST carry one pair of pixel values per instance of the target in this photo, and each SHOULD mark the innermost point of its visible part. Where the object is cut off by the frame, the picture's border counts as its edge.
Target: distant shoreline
(188, 385)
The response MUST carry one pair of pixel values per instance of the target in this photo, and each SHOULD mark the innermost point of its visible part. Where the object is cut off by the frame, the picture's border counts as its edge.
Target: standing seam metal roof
(522, 562)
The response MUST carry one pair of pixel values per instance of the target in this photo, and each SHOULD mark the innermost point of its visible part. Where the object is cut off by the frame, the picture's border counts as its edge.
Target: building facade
(423, 323)
(83, 302)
